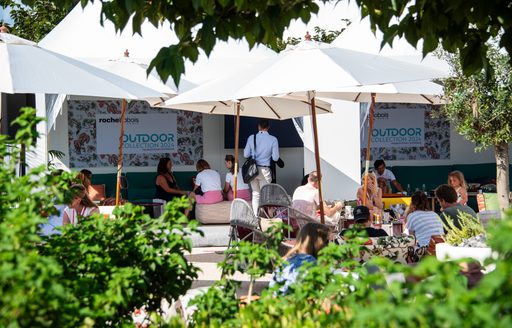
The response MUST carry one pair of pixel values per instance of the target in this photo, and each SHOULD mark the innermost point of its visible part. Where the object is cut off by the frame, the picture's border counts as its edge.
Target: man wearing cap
(362, 221)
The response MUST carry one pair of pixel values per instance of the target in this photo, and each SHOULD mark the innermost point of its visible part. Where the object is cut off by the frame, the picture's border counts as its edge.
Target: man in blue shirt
(267, 148)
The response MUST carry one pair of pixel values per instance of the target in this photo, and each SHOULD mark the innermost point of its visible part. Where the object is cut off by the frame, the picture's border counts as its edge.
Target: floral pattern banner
(436, 140)
(83, 141)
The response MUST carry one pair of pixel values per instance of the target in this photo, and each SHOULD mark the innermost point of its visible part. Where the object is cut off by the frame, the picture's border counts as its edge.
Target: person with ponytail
(242, 190)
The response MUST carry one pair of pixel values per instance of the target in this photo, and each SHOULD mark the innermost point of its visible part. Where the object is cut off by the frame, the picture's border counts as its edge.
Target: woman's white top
(74, 216)
(241, 185)
(208, 180)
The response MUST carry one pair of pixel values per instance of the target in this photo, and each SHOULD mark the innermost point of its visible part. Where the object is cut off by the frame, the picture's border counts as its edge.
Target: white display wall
(212, 145)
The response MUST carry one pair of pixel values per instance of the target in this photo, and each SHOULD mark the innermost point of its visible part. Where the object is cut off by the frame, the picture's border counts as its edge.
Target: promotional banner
(185, 148)
(406, 132)
(398, 128)
(144, 133)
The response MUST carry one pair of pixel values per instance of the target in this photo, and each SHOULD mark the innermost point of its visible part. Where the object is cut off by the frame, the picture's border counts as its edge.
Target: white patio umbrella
(414, 92)
(306, 69)
(27, 68)
(264, 107)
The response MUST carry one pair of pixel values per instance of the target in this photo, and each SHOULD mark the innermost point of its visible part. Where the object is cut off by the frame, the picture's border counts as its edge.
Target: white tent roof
(81, 35)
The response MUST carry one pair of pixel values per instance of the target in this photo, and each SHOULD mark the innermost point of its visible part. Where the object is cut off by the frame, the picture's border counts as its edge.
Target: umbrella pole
(368, 145)
(317, 157)
(120, 160)
(237, 135)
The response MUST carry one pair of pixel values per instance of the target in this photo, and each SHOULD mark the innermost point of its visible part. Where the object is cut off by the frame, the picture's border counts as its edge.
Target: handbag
(250, 169)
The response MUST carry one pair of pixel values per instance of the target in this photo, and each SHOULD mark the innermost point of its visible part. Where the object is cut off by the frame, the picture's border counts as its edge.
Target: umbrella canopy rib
(271, 108)
(426, 98)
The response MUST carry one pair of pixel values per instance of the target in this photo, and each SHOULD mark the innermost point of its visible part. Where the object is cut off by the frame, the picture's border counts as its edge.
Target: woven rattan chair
(274, 194)
(301, 219)
(274, 203)
(242, 216)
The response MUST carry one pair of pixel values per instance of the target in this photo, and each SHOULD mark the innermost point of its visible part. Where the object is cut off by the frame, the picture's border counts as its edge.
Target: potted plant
(466, 241)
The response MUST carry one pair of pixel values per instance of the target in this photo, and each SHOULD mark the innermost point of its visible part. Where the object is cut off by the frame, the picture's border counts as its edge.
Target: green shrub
(115, 265)
(339, 292)
(32, 292)
(94, 273)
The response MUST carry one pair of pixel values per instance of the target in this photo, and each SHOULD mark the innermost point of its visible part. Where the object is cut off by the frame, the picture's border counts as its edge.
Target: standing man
(267, 148)
(383, 173)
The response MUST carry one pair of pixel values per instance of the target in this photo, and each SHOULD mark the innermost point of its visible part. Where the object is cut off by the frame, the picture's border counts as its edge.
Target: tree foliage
(35, 21)
(320, 35)
(458, 25)
(462, 26)
(113, 266)
(93, 274)
(480, 106)
(32, 291)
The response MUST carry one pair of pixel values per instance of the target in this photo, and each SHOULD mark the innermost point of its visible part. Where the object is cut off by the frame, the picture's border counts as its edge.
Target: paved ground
(206, 258)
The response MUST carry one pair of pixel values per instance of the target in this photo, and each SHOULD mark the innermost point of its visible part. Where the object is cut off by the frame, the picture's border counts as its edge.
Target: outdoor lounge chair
(274, 203)
(242, 216)
(273, 195)
(299, 219)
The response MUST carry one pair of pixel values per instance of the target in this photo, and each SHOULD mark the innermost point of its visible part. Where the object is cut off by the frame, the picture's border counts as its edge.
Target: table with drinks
(390, 220)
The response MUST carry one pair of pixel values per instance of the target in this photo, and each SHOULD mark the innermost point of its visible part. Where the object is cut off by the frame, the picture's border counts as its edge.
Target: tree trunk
(502, 184)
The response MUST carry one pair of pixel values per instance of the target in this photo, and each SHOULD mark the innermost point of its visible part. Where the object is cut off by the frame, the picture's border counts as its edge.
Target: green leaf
(206, 36)
(471, 59)
(208, 6)
(168, 62)
(224, 3)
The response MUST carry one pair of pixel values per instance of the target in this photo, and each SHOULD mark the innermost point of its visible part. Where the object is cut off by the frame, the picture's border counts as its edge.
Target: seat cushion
(394, 248)
(213, 213)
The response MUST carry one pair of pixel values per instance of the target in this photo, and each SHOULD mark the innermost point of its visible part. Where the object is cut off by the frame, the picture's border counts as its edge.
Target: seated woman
(242, 190)
(311, 239)
(81, 206)
(373, 195)
(166, 186)
(457, 181)
(421, 222)
(85, 176)
(209, 182)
